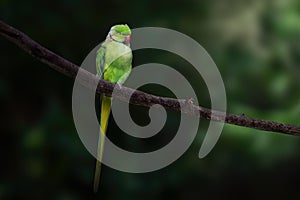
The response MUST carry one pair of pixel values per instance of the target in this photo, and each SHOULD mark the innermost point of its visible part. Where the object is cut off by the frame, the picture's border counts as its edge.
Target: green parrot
(113, 64)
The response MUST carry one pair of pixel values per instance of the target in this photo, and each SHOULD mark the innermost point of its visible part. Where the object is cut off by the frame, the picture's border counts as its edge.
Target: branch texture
(138, 98)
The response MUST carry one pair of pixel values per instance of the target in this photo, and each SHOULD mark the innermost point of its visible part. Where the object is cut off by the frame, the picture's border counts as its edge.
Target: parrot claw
(188, 104)
(190, 101)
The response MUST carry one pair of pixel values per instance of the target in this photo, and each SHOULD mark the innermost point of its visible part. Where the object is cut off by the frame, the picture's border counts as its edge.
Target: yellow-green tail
(105, 111)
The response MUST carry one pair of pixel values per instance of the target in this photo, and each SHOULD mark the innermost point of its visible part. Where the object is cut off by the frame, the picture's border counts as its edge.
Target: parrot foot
(189, 101)
(188, 104)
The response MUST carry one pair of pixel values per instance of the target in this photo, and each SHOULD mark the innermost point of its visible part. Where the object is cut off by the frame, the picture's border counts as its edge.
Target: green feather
(123, 29)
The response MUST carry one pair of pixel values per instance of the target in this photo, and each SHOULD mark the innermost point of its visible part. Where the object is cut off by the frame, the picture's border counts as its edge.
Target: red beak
(127, 39)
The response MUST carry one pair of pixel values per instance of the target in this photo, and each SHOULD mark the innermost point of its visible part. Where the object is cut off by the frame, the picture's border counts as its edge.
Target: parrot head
(120, 33)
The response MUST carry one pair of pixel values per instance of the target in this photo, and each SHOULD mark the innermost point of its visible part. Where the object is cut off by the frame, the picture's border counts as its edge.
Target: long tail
(105, 111)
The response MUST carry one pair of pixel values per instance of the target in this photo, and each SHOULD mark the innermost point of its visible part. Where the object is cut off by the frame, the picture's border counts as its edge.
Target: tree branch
(138, 98)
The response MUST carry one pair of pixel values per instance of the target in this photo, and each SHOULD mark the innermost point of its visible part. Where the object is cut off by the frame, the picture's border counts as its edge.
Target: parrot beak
(127, 39)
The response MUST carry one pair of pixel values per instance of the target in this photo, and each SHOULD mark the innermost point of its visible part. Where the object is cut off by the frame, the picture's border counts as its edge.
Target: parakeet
(113, 64)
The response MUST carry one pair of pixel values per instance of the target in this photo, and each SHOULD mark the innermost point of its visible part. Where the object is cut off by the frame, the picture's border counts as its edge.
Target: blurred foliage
(256, 46)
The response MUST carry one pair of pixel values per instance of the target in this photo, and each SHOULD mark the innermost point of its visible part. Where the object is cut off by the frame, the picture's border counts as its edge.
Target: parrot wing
(100, 60)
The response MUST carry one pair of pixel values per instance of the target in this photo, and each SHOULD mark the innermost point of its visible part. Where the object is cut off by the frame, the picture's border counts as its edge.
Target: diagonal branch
(138, 98)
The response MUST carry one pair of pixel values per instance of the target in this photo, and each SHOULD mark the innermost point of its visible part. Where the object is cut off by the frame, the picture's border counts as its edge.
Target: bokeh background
(255, 44)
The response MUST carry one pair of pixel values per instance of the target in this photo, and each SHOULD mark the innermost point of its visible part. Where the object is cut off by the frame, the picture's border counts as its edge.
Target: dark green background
(256, 46)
